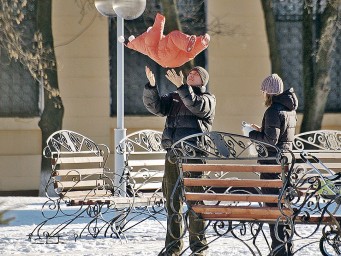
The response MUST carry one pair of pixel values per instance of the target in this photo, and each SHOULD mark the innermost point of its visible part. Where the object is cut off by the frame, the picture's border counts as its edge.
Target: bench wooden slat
(232, 168)
(148, 186)
(78, 160)
(156, 153)
(81, 201)
(322, 154)
(83, 184)
(70, 153)
(147, 174)
(192, 182)
(146, 162)
(318, 166)
(231, 197)
(238, 212)
(117, 201)
(71, 172)
(86, 194)
(314, 219)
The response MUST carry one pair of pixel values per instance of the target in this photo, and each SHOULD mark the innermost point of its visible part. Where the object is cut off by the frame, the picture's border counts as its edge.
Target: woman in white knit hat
(278, 128)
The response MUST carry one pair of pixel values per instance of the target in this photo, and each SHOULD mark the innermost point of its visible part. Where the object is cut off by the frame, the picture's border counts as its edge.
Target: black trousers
(283, 231)
(175, 226)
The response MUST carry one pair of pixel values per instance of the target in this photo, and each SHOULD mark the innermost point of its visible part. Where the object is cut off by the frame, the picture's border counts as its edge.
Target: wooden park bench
(143, 175)
(81, 189)
(230, 197)
(325, 145)
(318, 165)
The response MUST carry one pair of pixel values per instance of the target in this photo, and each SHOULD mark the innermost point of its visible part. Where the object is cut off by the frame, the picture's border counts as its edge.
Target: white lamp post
(122, 9)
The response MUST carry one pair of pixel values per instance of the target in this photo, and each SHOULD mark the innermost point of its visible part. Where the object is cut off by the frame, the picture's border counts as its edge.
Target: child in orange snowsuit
(169, 51)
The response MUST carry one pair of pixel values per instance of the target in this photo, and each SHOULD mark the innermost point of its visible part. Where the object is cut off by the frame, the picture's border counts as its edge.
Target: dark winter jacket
(279, 121)
(188, 111)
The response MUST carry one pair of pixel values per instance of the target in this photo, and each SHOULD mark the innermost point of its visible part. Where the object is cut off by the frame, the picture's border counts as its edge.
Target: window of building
(289, 15)
(19, 93)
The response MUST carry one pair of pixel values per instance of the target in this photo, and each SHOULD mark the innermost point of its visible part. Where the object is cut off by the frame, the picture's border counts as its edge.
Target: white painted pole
(120, 131)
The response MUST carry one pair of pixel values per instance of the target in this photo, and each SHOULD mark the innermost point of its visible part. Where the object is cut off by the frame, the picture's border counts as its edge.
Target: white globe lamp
(105, 7)
(129, 9)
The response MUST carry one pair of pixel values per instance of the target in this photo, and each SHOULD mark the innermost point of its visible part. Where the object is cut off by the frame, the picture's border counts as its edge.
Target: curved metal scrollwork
(93, 204)
(313, 194)
(218, 145)
(318, 140)
(144, 140)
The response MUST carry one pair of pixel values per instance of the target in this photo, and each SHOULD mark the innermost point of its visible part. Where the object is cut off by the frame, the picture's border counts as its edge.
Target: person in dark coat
(278, 128)
(188, 110)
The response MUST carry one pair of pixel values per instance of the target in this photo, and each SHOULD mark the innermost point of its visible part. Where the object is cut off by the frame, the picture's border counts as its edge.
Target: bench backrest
(318, 140)
(314, 179)
(212, 189)
(79, 174)
(144, 161)
(325, 145)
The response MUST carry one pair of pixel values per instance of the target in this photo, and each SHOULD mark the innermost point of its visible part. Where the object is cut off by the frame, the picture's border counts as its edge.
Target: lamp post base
(119, 162)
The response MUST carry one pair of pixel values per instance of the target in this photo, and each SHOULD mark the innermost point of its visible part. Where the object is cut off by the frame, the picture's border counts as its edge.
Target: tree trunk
(171, 13)
(270, 24)
(52, 116)
(317, 71)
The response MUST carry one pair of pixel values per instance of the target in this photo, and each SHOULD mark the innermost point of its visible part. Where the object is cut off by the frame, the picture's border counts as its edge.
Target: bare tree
(38, 58)
(317, 58)
(52, 117)
(270, 24)
(317, 54)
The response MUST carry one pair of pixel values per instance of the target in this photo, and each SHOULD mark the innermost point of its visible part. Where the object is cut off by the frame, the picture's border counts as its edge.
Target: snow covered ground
(144, 239)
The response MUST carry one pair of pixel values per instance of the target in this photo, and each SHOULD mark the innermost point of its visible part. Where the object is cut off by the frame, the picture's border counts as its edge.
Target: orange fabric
(169, 51)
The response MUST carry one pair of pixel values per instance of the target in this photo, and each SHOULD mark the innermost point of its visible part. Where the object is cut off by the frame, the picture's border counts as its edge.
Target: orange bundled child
(169, 51)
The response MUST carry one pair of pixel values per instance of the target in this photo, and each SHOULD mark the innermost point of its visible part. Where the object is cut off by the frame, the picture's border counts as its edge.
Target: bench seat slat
(117, 201)
(238, 212)
(86, 194)
(318, 166)
(147, 174)
(155, 153)
(72, 172)
(322, 154)
(232, 197)
(92, 201)
(70, 153)
(192, 182)
(83, 184)
(146, 162)
(232, 168)
(78, 160)
(313, 219)
(148, 186)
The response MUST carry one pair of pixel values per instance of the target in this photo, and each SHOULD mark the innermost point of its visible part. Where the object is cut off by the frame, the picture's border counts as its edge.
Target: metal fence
(19, 94)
